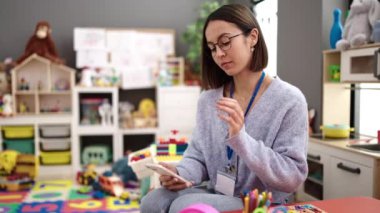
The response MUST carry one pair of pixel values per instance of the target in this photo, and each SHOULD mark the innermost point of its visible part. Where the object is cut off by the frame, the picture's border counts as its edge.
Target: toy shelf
(27, 103)
(137, 142)
(139, 131)
(86, 104)
(54, 92)
(50, 85)
(95, 130)
(21, 92)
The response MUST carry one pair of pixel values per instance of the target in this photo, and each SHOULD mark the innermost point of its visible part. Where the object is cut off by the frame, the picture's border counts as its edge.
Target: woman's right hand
(170, 182)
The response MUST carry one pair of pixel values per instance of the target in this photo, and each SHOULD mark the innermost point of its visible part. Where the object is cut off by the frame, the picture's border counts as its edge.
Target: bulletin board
(134, 53)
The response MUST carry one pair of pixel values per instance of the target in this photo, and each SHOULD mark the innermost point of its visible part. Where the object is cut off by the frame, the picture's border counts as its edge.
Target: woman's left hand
(233, 114)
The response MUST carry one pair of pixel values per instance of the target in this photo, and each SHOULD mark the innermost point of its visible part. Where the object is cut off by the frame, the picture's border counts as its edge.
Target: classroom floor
(61, 196)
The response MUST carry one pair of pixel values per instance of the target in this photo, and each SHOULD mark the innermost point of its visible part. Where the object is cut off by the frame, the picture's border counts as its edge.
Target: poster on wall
(89, 39)
(137, 51)
(92, 58)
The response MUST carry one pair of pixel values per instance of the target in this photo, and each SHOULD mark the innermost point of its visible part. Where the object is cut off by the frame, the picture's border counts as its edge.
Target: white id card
(225, 183)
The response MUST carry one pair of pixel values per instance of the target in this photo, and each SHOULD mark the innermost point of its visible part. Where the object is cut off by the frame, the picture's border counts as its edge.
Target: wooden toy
(41, 85)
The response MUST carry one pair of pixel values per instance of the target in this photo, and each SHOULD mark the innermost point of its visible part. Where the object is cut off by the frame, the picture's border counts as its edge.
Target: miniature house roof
(42, 60)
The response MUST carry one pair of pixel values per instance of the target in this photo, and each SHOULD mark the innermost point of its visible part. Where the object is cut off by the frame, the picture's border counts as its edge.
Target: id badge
(225, 183)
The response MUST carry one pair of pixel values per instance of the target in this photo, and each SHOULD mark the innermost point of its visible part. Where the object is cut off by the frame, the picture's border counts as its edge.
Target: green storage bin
(22, 146)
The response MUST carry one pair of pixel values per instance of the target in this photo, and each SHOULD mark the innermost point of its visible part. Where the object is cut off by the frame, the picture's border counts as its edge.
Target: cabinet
(337, 171)
(340, 70)
(357, 65)
(314, 183)
(335, 95)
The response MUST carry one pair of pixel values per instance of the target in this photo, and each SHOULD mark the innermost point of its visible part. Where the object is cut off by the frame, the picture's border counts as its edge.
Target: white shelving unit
(176, 108)
(82, 131)
(37, 121)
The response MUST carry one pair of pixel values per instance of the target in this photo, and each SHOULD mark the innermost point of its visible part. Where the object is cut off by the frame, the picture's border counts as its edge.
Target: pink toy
(199, 208)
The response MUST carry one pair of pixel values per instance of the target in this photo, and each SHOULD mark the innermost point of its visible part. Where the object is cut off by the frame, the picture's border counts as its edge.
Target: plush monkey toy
(42, 44)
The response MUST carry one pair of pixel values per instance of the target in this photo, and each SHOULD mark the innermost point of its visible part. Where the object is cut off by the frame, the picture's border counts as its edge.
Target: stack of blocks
(166, 150)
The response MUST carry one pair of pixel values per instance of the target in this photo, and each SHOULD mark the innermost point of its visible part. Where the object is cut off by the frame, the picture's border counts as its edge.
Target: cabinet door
(312, 188)
(358, 65)
(177, 108)
(348, 179)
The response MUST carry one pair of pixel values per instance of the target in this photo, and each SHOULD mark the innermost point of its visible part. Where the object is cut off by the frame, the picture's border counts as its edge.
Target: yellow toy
(147, 107)
(88, 176)
(8, 161)
(146, 115)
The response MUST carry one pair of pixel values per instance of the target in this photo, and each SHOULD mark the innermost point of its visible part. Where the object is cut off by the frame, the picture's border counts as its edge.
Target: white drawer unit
(349, 178)
(358, 65)
(337, 171)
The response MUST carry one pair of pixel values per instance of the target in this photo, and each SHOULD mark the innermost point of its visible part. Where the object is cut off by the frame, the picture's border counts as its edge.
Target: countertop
(342, 144)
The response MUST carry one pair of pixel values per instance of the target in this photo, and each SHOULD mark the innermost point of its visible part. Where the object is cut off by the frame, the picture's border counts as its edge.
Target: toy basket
(61, 131)
(139, 166)
(55, 144)
(16, 132)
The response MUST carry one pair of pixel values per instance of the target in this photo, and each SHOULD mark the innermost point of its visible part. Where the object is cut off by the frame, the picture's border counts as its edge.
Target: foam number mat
(46, 195)
(12, 197)
(45, 207)
(8, 208)
(118, 204)
(75, 195)
(53, 185)
(89, 205)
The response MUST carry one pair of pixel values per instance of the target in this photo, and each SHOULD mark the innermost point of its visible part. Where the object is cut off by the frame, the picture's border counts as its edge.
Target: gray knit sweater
(271, 147)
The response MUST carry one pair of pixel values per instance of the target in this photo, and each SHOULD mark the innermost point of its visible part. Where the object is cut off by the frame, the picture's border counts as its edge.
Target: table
(346, 205)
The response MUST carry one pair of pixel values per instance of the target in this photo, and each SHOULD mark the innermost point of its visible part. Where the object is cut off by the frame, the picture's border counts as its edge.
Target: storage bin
(54, 158)
(55, 131)
(23, 146)
(55, 144)
(16, 132)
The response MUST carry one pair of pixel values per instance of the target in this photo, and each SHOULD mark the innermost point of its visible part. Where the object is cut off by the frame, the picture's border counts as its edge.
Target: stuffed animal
(42, 44)
(357, 29)
(7, 105)
(374, 20)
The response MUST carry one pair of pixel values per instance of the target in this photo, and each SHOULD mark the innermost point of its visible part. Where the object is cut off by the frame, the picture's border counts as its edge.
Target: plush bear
(357, 29)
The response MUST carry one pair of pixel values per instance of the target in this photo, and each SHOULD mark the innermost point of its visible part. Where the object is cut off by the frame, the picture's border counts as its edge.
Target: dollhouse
(42, 87)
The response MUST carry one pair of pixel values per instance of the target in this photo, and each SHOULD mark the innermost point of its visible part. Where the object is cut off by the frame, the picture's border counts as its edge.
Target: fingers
(231, 106)
(233, 114)
(171, 183)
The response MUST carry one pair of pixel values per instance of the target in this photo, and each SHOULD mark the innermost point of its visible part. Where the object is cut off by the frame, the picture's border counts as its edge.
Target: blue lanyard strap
(230, 152)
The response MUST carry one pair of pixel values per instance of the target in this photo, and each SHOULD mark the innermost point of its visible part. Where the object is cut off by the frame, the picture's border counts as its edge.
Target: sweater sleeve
(283, 166)
(192, 166)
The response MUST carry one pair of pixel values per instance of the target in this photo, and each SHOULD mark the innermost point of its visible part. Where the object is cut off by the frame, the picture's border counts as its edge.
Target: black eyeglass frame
(224, 46)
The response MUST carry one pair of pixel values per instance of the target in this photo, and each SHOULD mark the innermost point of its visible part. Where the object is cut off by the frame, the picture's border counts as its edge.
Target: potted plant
(193, 34)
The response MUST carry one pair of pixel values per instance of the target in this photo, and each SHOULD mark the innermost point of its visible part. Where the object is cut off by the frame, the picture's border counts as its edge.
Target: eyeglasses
(224, 43)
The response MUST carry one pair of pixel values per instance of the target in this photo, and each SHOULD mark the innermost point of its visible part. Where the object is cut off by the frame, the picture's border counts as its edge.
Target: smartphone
(164, 171)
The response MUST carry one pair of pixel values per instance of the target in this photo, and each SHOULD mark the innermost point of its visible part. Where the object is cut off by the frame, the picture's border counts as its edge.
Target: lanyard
(230, 152)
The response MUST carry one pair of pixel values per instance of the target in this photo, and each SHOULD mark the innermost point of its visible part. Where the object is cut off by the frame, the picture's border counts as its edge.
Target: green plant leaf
(194, 32)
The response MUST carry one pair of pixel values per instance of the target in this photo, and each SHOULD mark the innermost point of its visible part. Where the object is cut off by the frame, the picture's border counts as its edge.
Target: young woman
(251, 129)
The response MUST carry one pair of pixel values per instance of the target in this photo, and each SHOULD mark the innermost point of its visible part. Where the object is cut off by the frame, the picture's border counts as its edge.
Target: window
(266, 14)
(368, 112)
